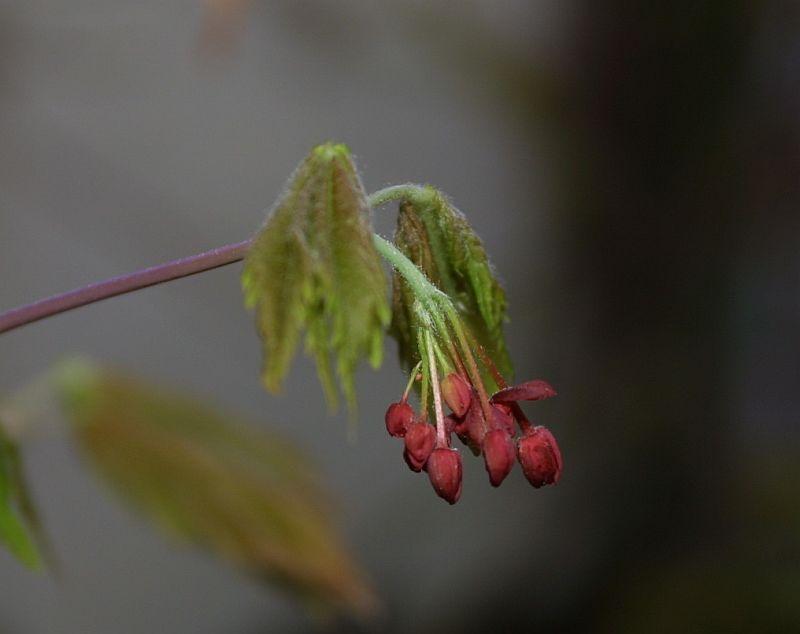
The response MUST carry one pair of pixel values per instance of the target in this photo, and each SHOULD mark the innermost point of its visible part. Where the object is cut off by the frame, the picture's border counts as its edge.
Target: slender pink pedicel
(419, 440)
(498, 455)
(399, 418)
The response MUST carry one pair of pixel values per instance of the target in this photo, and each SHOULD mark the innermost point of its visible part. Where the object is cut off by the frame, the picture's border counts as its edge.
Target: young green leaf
(438, 239)
(19, 524)
(246, 495)
(313, 267)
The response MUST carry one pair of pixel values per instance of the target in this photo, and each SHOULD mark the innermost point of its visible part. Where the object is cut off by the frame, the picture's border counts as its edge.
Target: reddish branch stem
(63, 302)
(183, 267)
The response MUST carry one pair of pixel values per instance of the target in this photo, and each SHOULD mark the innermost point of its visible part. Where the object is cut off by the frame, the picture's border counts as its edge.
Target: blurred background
(633, 169)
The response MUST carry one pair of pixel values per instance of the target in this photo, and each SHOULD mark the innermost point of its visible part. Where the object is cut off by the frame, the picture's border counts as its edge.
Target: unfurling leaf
(246, 495)
(436, 237)
(313, 267)
(19, 523)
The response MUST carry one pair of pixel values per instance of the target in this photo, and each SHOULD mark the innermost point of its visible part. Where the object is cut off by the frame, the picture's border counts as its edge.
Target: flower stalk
(441, 439)
(444, 340)
(411, 379)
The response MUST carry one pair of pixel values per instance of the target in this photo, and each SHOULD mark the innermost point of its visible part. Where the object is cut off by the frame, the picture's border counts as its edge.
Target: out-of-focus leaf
(438, 239)
(313, 266)
(246, 495)
(19, 523)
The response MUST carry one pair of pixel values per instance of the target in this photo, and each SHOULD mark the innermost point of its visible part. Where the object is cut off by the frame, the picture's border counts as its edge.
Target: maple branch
(176, 269)
(122, 284)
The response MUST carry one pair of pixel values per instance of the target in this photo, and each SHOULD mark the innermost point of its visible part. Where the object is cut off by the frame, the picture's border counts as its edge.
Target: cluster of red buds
(487, 425)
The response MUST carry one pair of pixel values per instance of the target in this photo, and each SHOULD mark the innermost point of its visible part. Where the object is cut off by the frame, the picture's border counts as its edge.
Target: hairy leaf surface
(438, 239)
(313, 268)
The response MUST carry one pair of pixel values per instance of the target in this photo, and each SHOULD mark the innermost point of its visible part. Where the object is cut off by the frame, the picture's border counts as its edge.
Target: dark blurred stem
(98, 291)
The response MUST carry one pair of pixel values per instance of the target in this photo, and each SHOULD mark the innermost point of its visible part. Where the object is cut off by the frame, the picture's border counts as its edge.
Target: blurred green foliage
(247, 495)
(18, 520)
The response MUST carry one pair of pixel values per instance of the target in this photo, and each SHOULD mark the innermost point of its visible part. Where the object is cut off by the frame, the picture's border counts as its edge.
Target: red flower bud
(502, 418)
(451, 421)
(539, 456)
(535, 390)
(420, 439)
(498, 454)
(444, 471)
(412, 464)
(472, 428)
(457, 393)
(399, 417)
(461, 431)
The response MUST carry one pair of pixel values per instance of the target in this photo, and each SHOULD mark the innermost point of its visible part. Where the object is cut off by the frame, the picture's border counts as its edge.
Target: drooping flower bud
(451, 421)
(539, 456)
(535, 390)
(419, 440)
(457, 393)
(472, 428)
(399, 417)
(462, 432)
(498, 455)
(444, 471)
(502, 418)
(412, 464)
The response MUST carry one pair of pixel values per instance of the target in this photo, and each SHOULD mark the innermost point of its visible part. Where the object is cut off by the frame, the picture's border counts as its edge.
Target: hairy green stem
(421, 286)
(446, 367)
(411, 379)
(407, 191)
(425, 369)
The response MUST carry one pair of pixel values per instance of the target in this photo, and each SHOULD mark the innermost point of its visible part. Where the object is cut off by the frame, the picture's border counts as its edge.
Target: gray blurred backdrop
(633, 171)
